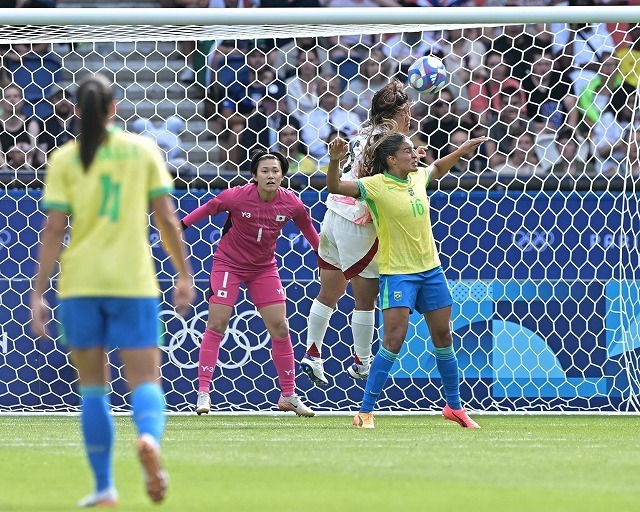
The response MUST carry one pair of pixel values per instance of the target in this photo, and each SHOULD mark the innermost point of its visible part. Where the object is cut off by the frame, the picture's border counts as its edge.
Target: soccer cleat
(293, 403)
(203, 405)
(364, 420)
(460, 416)
(103, 499)
(155, 478)
(358, 371)
(314, 368)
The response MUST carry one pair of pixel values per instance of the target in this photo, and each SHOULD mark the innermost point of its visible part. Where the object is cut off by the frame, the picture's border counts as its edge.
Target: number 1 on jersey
(110, 206)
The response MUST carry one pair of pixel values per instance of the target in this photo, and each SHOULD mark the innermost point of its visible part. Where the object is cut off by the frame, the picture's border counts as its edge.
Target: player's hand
(471, 146)
(338, 149)
(183, 295)
(421, 151)
(39, 315)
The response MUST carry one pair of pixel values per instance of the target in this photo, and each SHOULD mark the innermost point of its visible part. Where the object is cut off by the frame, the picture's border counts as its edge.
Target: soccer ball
(427, 75)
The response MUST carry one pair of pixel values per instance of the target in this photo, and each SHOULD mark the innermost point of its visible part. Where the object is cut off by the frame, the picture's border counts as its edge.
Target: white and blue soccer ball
(427, 75)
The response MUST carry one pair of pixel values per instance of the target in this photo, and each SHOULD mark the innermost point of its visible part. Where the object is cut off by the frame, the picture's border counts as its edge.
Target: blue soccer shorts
(424, 291)
(110, 322)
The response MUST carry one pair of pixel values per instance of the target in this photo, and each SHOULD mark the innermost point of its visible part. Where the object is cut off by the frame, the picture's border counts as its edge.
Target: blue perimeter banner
(545, 315)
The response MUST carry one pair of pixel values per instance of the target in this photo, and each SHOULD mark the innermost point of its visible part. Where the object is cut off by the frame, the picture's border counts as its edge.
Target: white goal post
(543, 263)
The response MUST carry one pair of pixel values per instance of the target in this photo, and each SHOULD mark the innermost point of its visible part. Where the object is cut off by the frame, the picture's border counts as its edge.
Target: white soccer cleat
(314, 368)
(293, 403)
(203, 405)
(358, 371)
(103, 499)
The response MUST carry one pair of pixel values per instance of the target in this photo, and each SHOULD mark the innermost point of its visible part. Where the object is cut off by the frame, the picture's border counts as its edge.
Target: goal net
(538, 234)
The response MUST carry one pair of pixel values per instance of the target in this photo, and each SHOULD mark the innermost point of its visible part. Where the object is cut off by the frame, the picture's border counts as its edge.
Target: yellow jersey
(400, 212)
(108, 254)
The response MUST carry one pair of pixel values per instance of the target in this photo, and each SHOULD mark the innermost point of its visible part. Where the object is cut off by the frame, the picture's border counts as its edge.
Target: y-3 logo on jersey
(246, 215)
(281, 218)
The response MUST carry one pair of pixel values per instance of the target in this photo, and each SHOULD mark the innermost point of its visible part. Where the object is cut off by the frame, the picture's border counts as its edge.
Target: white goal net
(538, 234)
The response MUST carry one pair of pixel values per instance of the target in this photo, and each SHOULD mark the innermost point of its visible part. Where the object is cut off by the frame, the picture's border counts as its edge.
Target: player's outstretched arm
(443, 165)
(50, 247)
(337, 151)
(171, 236)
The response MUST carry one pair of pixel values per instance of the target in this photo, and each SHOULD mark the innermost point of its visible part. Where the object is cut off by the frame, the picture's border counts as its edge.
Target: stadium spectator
(485, 86)
(402, 49)
(569, 161)
(186, 48)
(349, 244)
(284, 55)
(515, 45)
(302, 88)
(463, 51)
(107, 200)
(509, 124)
(598, 94)
(18, 134)
(360, 89)
(521, 162)
(581, 48)
(62, 126)
(296, 152)
(35, 69)
(476, 165)
(550, 103)
(245, 254)
(166, 134)
(328, 116)
(408, 257)
(629, 57)
(443, 119)
(608, 133)
(264, 125)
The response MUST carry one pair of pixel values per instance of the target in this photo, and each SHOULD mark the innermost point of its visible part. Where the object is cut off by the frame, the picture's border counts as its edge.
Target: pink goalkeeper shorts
(264, 286)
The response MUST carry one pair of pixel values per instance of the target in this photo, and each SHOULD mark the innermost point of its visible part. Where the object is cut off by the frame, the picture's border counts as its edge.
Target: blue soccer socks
(147, 401)
(97, 430)
(448, 368)
(378, 373)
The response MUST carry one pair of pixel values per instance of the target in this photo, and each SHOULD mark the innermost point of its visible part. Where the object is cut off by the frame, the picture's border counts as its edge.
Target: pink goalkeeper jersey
(253, 226)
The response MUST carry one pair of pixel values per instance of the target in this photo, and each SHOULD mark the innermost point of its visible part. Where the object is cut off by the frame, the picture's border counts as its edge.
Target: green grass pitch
(283, 463)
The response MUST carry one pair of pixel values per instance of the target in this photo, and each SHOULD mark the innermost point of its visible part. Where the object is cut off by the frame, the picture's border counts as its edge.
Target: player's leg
(332, 286)
(84, 333)
(269, 297)
(357, 247)
(141, 368)
(396, 322)
(224, 287)
(133, 328)
(434, 301)
(365, 291)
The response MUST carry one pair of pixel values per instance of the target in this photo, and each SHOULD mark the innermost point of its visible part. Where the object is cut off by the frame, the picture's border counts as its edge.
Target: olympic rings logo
(533, 240)
(189, 331)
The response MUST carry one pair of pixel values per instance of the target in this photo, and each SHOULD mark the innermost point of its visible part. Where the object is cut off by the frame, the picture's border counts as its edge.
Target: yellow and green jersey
(108, 253)
(400, 211)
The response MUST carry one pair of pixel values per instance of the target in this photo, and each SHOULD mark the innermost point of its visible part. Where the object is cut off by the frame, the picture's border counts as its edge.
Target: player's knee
(442, 337)
(393, 343)
(216, 325)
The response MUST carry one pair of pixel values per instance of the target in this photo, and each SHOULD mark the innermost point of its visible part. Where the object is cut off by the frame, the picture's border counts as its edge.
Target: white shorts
(348, 247)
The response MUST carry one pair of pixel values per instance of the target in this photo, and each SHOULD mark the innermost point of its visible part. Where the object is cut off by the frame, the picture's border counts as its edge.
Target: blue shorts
(424, 292)
(110, 322)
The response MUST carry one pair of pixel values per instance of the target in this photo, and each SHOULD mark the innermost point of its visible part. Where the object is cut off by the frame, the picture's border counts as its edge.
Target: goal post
(542, 264)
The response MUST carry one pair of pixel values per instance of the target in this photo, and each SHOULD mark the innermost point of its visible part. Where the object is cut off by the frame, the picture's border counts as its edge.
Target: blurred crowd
(558, 99)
